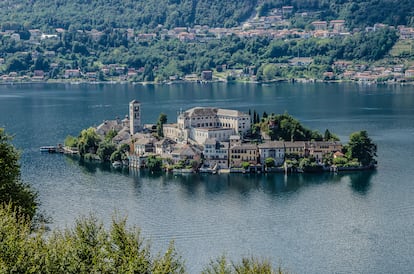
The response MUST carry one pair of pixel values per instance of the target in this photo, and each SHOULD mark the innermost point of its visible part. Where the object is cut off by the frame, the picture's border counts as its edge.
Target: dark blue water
(355, 222)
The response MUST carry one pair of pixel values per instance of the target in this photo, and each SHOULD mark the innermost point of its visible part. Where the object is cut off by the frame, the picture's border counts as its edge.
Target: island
(216, 140)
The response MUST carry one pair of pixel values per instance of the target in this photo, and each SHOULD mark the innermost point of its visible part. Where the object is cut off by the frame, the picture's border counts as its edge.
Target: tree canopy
(154, 164)
(362, 147)
(162, 119)
(88, 247)
(100, 14)
(358, 14)
(285, 127)
(12, 189)
(159, 58)
(88, 141)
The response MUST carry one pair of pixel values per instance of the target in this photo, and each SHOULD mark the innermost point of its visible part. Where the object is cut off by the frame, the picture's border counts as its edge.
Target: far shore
(281, 80)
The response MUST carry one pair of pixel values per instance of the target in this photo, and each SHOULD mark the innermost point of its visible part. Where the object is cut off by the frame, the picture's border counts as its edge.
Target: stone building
(134, 116)
(201, 123)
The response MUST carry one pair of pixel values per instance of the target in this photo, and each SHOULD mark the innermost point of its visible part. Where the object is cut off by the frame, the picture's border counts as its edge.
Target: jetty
(49, 149)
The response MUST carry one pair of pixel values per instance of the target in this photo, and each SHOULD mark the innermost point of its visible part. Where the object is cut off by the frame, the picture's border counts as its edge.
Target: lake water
(352, 222)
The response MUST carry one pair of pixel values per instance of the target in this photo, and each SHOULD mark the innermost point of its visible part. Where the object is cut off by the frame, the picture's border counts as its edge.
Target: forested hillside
(139, 40)
(148, 14)
(357, 13)
(138, 14)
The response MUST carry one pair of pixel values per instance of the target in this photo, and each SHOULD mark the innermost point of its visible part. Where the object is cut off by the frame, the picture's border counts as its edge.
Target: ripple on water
(345, 223)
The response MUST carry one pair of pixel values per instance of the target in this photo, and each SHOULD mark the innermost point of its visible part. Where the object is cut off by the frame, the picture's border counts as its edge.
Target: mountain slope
(148, 14)
(124, 13)
(357, 13)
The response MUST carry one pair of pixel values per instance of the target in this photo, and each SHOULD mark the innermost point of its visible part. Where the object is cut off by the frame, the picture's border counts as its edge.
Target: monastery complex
(214, 138)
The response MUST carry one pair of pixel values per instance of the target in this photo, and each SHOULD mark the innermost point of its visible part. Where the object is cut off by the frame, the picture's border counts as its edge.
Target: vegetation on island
(162, 119)
(91, 146)
(362, 148)
(154, 164)
(360, 151)
(286, 128)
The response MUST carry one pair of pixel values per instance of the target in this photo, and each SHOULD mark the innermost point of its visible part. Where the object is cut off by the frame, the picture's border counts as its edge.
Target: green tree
(247, 266)
(89, 247)
(19, 248)
(12, 189)
(88, 239)
(170, 262)
(116, 156)
(128, 251)
(105, 150)
(41, 64)
(88, 141)
(71, 141)
(110, 135)
(270, 162)
(19, 62)
(327, 159)
(328, 136)
(285, 127)
(304, 163)
(361, 147)
(245, 165)
(154, 164)
(253, 265)
(219, 266)
(340, 161)
(269, 71)
(162, 119)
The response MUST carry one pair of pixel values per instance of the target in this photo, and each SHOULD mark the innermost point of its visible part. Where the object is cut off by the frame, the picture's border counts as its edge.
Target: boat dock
(59, 149)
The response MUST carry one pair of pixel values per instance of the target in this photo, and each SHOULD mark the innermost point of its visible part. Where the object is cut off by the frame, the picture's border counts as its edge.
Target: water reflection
(90, 167)
(243, 184)
(361, 181)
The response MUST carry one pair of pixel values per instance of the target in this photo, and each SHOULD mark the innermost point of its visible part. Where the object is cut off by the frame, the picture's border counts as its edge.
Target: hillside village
(209, 139)
(276, 26)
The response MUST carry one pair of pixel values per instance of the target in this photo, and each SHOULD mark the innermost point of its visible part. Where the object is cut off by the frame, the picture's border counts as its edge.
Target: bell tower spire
(134, 116)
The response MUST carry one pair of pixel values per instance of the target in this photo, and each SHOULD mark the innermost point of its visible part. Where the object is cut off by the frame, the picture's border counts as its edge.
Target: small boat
(117, 164)
(211, 170)
(183, 171)
(50, 149)
(205, 170)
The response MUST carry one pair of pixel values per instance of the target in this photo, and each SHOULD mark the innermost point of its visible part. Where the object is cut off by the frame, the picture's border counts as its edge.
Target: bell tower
(134, 116)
